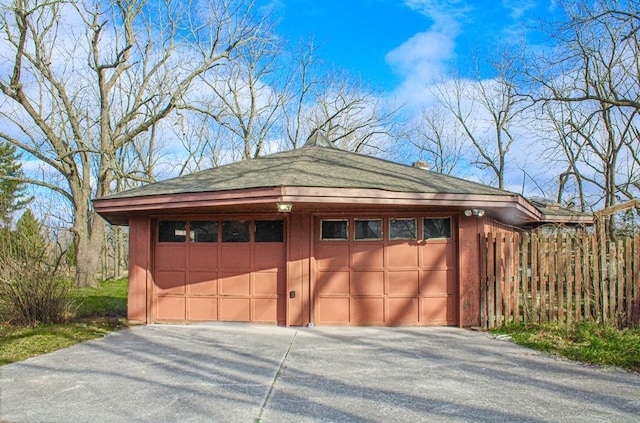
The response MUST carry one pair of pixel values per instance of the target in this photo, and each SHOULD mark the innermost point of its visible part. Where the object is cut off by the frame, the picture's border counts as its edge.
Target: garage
(314, 236)
(385, 271)
(225, 270)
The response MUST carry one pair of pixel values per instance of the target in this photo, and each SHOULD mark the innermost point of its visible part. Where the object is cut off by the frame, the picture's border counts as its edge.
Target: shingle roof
(550, 209)
(313, 166)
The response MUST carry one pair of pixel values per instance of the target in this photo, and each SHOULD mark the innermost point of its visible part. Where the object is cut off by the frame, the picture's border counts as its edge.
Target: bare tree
(301, 88)
(273, 97)
(203, 144)
(593, 145)
(437, 142)
(84, 81)
(589, 85)
(485, 111)
(351, 115)
(248, 95)
(596, 42)
(566, 148)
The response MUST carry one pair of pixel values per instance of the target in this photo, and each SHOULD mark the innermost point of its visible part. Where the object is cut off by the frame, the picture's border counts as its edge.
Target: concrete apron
(249, 373)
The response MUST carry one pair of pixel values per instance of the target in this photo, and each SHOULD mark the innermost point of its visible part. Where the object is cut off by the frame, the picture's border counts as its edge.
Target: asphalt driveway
(243, 373)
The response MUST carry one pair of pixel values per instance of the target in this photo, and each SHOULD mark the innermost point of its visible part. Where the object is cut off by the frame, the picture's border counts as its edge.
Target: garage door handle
(292, 294)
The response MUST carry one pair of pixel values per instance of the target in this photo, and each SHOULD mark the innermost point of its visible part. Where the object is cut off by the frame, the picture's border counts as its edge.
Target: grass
(99, 311)
(109, 300)
(588, 342)
(102, 310)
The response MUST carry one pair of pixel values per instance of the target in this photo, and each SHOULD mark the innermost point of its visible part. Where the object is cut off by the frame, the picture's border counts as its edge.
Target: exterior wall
(300, 267)
(139, 269)
(469, 269)
(469, 230)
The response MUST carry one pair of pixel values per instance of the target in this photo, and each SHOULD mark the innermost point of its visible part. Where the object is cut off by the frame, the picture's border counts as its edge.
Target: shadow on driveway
(248, 373)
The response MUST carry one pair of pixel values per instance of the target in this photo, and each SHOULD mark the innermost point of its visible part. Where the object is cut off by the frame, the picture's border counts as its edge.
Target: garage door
(385, 271)
(229, 270)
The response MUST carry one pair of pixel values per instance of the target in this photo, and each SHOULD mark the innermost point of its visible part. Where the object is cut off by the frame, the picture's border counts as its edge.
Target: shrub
(31, 290)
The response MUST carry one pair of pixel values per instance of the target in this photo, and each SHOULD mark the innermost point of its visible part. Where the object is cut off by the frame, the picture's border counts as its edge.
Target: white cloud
(446, 14)
(518, 9)
(420, 60)
(423, 58)
(423, 51)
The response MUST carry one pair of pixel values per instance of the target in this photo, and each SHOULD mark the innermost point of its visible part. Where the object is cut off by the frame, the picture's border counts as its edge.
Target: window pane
(204, 231)
(437, 227)
(368, 229)
(334, 229)
(172, 231)
(402, 229)
(235, 231)
(269, 230)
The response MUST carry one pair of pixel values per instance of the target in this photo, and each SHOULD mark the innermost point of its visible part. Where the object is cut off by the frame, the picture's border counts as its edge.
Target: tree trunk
(89, 230)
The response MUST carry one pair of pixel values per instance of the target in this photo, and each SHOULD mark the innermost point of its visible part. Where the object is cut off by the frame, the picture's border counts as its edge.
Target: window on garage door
(203, 231)
(172, 231)
(405, 228)
(269, 231)
(334, 230)
(436, 228)
(236, 231)
(370, 229)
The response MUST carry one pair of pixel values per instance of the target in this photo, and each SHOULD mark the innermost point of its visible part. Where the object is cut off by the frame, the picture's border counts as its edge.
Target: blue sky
(391, 43)
(403, 46)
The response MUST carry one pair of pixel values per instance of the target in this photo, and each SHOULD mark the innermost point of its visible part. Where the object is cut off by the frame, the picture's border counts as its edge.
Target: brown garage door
(230, 270)
(385, 271)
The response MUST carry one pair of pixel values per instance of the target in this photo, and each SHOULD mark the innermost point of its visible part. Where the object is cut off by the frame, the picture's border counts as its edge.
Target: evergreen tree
(12, 196)
(30, 231)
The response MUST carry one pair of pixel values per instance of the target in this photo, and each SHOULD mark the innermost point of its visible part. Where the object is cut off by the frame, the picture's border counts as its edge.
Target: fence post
(491, 280)
(604, 289)
(515, 278)
(507, 292)
(552, 272)
(544, 278)
(597, 279)
(561, 281)
(568, 271)
(524, 277)
(619, 282)
(535, 278)
(483, 281)
(499, 280)
(628, 283)
(578, 285)
(611, 282)
(586, 286)
(636, 282)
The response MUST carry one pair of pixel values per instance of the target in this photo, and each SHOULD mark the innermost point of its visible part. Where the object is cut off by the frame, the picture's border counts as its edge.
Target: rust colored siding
(139, 265)
(298, 269)
(469, 259)
(304, 279)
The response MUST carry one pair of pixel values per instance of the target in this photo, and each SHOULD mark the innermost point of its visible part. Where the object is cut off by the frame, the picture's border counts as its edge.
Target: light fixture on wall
(474, 212)
(284, 207)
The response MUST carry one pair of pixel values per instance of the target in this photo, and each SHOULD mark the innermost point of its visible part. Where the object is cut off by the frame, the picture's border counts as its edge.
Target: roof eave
(512, 209)
(578, 219)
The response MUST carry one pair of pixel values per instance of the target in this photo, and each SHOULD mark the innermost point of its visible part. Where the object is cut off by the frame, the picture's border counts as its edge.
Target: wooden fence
(560, 278)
